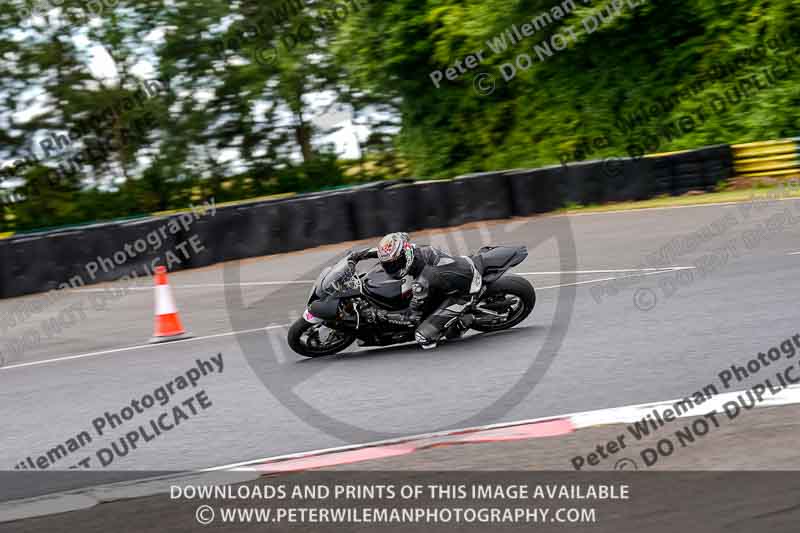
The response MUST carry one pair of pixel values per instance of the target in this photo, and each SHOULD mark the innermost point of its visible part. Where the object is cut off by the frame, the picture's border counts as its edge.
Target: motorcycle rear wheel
(512, 299)
(302, 331)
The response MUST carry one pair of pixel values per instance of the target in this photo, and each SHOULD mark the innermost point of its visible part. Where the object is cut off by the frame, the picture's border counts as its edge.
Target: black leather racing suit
(441, 286)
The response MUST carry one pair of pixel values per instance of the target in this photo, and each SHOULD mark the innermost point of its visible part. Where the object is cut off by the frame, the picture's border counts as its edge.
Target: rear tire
(302, 327)
(508, 285)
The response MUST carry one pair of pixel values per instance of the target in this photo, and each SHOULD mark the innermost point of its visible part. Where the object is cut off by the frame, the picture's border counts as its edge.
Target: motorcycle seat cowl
(493, 261)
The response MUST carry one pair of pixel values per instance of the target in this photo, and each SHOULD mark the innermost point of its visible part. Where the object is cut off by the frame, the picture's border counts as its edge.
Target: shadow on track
(471, 341)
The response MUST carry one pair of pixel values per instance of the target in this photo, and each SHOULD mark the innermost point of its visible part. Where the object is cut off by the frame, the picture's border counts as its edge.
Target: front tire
(304, 339)
(512, 291)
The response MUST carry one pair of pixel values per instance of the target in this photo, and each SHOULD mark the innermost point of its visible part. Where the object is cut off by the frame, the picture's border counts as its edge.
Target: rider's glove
(360, 255)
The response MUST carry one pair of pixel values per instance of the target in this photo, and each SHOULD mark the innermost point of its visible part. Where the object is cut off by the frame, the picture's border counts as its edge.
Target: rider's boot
(424, 342)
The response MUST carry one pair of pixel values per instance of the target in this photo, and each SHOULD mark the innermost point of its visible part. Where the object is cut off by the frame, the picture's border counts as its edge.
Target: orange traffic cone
(168, 323)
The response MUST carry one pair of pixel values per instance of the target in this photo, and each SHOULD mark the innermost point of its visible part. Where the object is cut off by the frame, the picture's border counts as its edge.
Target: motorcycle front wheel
(507, 302)
(317, 340)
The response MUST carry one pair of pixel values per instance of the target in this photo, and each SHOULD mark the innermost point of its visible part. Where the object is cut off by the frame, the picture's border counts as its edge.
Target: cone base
(169, 338)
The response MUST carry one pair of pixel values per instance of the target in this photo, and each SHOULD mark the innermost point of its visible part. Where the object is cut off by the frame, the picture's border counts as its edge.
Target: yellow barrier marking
(767, 158)
(661, 154)
(782, 157)
(789, 149)
(767, 167)
(762, 143)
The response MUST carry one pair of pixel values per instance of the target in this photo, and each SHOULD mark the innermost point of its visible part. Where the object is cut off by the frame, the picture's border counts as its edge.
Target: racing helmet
(396, 254)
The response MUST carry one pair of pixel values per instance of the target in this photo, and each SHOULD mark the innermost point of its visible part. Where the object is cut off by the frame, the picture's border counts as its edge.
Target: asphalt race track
(638, 344)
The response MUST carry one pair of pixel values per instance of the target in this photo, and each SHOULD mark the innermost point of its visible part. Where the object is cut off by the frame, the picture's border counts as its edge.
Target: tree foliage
(244, 83)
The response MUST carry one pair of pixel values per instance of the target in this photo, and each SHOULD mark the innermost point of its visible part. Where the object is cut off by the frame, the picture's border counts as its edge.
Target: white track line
(207, 285)
(647, 272)
(620, 270)
(137, 347)
(641, 275)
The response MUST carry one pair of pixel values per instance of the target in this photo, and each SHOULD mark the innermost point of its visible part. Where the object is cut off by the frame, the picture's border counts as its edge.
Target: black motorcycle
(342, 302)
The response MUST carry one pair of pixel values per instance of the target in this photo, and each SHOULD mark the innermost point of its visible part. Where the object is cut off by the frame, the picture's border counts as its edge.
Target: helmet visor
(395, 266)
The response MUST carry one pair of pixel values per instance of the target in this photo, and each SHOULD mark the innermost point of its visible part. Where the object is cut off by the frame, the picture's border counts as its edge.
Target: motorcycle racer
(441, 285)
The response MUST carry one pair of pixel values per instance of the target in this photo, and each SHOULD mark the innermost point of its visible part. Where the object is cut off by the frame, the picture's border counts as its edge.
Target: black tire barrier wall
(536, 191)
(25, 266)
(377, 212)
(4, 263)
(317, 221)
(630, 179)
(141, 263)
(431, 205)
(661, 175)
(583, 183)
(223, 237)
(40, 262)
(624, 179)
(474, 197)
(700, 169)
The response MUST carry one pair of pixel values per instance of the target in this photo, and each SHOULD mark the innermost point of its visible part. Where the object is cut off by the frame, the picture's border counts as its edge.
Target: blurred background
(116, 108)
